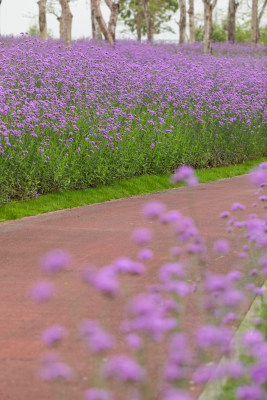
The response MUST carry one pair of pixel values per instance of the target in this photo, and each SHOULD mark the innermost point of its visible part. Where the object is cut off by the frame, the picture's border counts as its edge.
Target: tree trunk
(149, 20)
(259, 19)
(182, 22)
(231, 17)
(66, 21)
(96, 31)
(191, 14)
(138, 29)
(100, 20)
(42, 19)
(208, 10)
(112, 23)
(93, 21)
(254, 22)
(60, 27)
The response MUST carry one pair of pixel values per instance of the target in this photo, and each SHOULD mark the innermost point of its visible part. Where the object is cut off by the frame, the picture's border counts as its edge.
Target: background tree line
(145, 18)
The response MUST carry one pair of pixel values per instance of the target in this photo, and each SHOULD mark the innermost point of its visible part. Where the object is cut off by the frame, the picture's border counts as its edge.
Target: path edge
(214, 389)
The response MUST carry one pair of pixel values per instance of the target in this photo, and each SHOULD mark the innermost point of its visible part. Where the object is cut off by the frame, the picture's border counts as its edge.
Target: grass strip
(122, 189)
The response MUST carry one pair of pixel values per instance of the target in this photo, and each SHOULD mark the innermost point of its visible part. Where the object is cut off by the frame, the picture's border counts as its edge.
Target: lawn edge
(22, 209)
(181, 186)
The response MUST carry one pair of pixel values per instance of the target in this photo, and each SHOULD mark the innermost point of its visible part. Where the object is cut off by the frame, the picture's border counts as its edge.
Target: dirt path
(93, 234)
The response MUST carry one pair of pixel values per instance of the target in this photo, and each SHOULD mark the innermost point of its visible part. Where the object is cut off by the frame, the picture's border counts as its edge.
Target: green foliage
(33, 30)
(199, 33)
(218, 33)
(243, 32)
(132, 14)
(263, 35)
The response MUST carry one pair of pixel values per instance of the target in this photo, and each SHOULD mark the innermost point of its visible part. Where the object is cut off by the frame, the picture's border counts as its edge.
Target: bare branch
(262, 11)
(213, 5)
(109, 3)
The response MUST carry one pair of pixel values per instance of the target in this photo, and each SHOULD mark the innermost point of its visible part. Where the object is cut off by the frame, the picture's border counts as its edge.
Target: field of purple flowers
(77, 117)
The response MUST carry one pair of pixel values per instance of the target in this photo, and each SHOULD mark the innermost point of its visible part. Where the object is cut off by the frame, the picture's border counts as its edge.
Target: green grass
(124, 188)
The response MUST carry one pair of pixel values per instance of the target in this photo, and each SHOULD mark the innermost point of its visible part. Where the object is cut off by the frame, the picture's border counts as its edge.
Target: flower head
(123, 368)
(56, 260)
(153, 209)
(42, 291)
(53, 334)
(98, 394)
(186, 174)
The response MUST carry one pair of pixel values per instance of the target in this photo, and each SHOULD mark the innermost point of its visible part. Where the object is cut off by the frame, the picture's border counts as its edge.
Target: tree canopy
(161, 11)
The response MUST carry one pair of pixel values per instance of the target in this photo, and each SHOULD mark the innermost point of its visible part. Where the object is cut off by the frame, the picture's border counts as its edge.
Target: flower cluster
(88, 114)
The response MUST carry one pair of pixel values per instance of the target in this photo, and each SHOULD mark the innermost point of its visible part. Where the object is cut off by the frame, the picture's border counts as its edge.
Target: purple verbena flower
(247, 392)
(42, 291)
(238, 206)
(154, 209)
(56, 260)
(123, 368)
(98, 394)
(221, 246)
(53, 334)
(142, 236)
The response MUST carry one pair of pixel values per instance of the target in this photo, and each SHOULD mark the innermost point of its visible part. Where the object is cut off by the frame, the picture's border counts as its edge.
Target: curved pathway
(94, 234)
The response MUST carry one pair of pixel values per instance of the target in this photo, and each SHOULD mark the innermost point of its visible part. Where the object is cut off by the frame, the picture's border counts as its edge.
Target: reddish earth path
(97, 234)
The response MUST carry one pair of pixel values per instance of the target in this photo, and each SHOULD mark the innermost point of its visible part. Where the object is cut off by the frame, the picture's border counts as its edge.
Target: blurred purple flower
(258, 176)
(252, 337)
(98, 394)
(53, 368)
(104, 279)
(53, 334)
(154, 209)
(221, 246)
(258, 373)
(134, 340)
(187, 174)
(171, 271)
(176, 394)
(42, 291)
(238, 206)
(204, 373)
(56, 260)
(145, 254)
(142, 236)
(247, 392)
(124, 369)
(224, 214)
(95, 337)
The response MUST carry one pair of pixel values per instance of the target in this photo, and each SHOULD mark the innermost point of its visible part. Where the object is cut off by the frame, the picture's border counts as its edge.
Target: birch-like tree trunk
(259, 19)
(60, 27)
(101, 22)
(42, 19)
(231, 17)
(66, 21)
(113, 19)
(182, 22)
(139, 30)
(96, 31)
(149, 20)
(208, 10)
(191, 13)
(254, 22)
